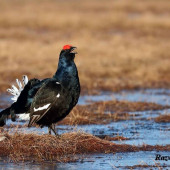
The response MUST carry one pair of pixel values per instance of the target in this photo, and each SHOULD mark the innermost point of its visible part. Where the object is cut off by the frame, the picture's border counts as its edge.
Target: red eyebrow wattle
(66, 47)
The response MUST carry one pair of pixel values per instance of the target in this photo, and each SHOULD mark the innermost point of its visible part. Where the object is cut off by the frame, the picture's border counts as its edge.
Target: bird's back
(53, 102)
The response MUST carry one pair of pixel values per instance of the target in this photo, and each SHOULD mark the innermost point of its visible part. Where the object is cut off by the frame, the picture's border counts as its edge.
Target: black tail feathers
(4, 115)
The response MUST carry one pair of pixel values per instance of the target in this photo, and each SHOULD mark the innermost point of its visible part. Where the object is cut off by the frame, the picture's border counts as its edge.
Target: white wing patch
(16, 91)
(42, 108)
(57, 82)
(58, 95)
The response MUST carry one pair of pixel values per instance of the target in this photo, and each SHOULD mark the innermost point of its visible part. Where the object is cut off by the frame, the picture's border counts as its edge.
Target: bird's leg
(53, 126)
(53, 129)
(49, 130)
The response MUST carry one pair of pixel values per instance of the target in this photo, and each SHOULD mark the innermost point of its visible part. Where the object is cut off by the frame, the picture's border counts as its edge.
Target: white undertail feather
(16, 91)
(24, 116)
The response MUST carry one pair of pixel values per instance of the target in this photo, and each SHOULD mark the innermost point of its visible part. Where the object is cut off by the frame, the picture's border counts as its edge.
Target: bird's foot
(58, 136)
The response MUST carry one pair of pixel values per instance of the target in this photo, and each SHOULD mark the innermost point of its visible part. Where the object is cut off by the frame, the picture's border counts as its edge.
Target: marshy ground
(114, 133)
(122, 119)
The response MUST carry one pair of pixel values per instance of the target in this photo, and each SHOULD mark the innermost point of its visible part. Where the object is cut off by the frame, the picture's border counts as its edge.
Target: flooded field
(139, 129)
(122, 120)
(130, 160)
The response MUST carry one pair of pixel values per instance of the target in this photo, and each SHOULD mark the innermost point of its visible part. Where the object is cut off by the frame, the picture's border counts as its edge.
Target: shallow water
(140, 130)
(118, 160)
(158, 96)
(98, 161)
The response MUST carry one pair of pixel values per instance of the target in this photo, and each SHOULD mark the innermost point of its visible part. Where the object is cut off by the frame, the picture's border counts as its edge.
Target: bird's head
(68, 52)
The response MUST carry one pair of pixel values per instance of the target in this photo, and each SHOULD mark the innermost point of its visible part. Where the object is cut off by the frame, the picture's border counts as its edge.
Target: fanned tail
(25, 79)
(17, 91)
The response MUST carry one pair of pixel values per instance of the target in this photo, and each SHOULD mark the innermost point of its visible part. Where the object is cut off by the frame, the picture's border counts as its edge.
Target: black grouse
(58, 95)
(50, 100)
(22, 99)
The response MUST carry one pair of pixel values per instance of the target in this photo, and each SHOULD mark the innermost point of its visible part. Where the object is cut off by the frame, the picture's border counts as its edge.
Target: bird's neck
(67, 72)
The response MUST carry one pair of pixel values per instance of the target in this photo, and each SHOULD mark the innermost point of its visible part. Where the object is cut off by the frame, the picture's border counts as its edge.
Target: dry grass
(127, 47)
(115, 138)
(102, 112)
(121, 45)
(23, 147)
(122, 106)
(163, 118)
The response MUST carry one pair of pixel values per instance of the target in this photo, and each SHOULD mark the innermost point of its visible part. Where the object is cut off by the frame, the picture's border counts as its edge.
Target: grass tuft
(26, 147)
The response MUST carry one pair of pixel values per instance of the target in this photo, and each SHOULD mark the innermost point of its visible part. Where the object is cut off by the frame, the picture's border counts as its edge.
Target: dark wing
(23, 102)
(25, 98)
(44, 100)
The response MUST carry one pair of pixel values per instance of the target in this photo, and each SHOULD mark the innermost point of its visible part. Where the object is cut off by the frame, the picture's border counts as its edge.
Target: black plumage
(58, 95)
(50, 100)
(23, 103)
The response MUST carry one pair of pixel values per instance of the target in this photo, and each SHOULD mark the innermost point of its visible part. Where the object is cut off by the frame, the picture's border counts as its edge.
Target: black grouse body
(58, 95)
(50, 100)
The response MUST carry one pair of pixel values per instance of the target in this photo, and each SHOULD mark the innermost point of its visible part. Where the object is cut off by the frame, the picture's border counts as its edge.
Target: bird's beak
(73, 50)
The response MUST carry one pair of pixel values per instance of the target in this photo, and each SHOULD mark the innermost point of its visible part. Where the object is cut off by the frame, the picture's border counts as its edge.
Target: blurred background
(122, 44)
